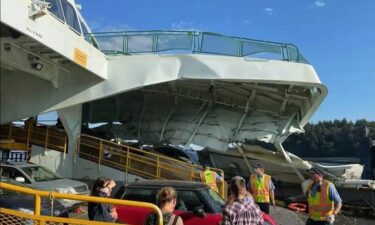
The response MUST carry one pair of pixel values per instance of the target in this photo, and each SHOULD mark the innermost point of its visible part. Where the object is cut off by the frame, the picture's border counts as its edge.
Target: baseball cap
(258, 165)
(315, 170)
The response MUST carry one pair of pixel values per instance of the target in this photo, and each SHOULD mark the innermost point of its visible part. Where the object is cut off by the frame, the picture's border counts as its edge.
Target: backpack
(152, 219)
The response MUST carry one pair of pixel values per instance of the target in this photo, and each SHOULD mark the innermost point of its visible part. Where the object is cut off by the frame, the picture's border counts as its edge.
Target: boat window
(56, 9)
(70, 16)
(84, 28)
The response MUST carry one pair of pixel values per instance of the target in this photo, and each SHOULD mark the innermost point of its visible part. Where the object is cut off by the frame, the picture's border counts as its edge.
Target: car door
(17, 173)
(187, 201)
(6, 172)
(12, 173)
(135, 215)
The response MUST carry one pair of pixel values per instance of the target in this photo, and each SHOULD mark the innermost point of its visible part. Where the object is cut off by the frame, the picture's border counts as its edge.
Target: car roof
(178, 184)
(18, 164)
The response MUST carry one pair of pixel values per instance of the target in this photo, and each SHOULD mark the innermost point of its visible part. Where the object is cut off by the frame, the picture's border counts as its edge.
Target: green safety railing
(191, 42)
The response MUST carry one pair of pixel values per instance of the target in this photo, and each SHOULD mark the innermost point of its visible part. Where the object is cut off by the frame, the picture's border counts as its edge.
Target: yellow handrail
(44, 136)
(43, 219)
(38, 194)
(146, 152)
(130, 159)
(139, 162)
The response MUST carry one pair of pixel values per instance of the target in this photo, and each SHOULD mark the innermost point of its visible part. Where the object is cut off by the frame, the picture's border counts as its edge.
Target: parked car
(25, 203)
(41, 178)
(196, 202)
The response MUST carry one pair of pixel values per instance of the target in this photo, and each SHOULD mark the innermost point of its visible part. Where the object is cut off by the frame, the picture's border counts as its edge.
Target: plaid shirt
(242, 212)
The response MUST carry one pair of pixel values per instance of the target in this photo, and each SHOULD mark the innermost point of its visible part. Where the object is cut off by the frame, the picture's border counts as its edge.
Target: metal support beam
(280, 147)
(140, 120)
(283, 104)
(246, 160)
(197, 126)
(39, 56)
(249, 100)
(168, 118)
(199, 111)
(287, 124)
(287, 95)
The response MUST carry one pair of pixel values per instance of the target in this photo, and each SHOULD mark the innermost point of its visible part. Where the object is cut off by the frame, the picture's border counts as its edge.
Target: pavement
(285, 216)
(282, 215)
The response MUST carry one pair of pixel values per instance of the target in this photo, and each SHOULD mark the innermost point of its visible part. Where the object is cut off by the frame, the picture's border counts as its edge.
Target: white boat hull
(276, 165)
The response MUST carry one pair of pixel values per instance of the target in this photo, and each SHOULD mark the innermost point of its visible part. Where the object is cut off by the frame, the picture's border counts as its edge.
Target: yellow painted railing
(8, 216)
(41, 135)
(139, 162)
(131, 160)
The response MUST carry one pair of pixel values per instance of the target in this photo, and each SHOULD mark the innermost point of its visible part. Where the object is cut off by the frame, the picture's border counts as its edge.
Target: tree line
(337, 138)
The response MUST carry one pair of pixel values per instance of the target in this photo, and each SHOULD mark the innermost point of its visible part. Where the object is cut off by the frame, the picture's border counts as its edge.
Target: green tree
(337, 138)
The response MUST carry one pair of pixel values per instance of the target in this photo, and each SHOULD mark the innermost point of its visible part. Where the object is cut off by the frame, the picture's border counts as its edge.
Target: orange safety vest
(320, 206)
(209, 177)
(260, 188)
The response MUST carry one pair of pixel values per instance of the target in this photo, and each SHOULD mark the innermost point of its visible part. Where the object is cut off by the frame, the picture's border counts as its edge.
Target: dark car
(26, 203)
(196, 202)
(187, 155)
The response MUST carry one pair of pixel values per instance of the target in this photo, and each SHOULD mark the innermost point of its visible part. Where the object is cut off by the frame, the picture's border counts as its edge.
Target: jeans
(265, 207)
(313, 222)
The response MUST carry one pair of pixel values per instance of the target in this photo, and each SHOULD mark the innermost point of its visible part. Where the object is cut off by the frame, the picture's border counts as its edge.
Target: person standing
(167, 199)
(323, 199)
(262, 188)
(210, 177)
(98, 211)
(240, 209)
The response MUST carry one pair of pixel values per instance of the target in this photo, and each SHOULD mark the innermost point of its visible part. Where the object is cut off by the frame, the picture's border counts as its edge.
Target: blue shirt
(332, 192)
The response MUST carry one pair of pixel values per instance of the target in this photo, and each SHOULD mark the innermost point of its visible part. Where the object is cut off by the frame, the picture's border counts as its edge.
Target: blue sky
(336, 36)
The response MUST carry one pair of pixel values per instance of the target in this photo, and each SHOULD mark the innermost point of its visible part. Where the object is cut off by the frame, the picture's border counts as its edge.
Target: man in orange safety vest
(323, 199)
(210, 177)
(262, 188)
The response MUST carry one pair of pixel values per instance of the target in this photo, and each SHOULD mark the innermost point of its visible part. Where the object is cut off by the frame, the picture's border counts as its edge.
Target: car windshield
(38, 173)
(216, 201)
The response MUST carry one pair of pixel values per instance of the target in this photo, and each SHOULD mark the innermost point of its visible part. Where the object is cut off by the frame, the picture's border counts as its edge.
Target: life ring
(299, 207)
(268, 219)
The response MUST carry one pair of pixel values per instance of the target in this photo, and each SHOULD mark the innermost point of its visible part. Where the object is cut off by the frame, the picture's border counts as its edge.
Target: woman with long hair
(241, 209)
(167, 199)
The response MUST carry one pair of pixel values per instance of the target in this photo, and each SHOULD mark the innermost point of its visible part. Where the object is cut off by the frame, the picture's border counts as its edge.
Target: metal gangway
(134, 161)
(145, 164)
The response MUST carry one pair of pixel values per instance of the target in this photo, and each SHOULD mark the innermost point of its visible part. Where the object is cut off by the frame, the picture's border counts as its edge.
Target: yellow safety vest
(209, 177)
(260, 188)
(320, 206)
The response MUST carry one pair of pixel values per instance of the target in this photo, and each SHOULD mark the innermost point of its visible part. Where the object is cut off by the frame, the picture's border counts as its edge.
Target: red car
(196, 202)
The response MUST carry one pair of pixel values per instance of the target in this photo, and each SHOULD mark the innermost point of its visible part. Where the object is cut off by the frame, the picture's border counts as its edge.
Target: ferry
(224, 97)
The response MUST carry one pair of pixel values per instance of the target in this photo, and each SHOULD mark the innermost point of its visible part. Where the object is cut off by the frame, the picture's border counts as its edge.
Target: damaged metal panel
(208, 114)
